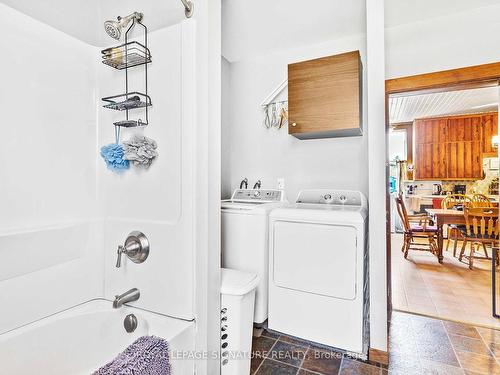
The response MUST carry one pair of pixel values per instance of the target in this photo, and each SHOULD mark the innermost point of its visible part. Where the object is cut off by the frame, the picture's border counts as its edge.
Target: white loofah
(140, 150)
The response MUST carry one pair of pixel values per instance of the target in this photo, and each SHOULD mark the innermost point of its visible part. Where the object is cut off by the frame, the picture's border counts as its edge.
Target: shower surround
(64, 214)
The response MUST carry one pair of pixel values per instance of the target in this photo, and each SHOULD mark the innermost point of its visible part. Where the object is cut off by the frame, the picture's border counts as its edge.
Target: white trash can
(237, 308)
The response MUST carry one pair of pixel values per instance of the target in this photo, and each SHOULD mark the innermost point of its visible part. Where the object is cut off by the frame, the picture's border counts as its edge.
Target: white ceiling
(83, 19)
(256, 27)
(409, 108)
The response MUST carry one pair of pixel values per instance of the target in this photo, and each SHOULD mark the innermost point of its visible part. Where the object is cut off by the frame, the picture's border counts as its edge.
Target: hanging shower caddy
(124, 57)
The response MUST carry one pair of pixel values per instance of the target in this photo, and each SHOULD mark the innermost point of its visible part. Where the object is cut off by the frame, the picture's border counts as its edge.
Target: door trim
(478, 76)
(468, 77)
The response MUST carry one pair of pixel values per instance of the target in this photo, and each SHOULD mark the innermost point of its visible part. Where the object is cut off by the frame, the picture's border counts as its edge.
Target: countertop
(493, 198)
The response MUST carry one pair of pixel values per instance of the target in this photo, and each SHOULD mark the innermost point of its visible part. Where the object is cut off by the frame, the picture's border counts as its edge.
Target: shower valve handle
(136, 248)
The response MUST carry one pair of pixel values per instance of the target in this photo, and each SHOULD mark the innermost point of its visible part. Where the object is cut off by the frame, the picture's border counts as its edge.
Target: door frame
(478, 76)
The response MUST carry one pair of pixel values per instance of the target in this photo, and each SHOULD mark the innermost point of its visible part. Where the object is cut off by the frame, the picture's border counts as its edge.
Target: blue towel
(148, 355)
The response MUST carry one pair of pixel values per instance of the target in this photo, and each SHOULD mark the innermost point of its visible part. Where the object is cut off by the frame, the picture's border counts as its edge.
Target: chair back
(456, 201)
(482, 223)
(480, 200)
(403, 214)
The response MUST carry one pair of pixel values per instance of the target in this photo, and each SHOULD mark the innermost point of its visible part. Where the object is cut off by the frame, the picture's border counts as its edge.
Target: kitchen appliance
(410, 189)
(437, 189)
(460, 189)
(245, 220)
(318, 287)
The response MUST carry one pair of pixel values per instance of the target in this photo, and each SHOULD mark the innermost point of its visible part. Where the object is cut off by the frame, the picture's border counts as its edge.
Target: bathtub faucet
(129, 296)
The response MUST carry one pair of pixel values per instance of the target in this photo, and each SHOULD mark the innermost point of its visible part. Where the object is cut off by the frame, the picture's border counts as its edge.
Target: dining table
(441, 217)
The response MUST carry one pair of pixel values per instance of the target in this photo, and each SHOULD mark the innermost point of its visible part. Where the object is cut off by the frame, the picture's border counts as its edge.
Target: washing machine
(318, 283)
(245, 223)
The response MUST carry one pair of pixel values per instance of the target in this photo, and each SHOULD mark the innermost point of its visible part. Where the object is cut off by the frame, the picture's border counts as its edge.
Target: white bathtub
(80, 340)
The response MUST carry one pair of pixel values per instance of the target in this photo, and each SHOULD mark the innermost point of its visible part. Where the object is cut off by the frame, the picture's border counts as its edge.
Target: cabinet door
(464, 128)
(490, 129)
(431, 162)
(430, 149)
(324, 97)
(464, 160)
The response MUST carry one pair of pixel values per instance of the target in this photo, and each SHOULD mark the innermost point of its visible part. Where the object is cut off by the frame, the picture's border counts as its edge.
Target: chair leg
(407, 247)
(433, 245)
(448, 239)
(471, 256)
(462, 250)
(485, 250)
(455, 243)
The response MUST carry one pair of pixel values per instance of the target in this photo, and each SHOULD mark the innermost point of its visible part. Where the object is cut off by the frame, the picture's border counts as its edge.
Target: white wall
(268, 154)
(226, 128)
(50, 240)
(454, 41)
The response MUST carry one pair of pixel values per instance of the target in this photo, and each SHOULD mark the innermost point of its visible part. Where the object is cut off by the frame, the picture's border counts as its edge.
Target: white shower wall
(158, 201)
(62, 213)
(50, 235)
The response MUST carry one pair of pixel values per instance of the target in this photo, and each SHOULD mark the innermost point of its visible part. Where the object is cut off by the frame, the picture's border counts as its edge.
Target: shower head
(114, 28)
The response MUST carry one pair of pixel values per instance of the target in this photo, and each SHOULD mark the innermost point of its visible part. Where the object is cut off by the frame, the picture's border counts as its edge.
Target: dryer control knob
(256, 194)
(342, 198)
(327, 197)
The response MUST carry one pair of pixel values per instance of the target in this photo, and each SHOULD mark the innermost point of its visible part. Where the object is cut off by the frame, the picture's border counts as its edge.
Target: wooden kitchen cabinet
(324, 97)
(490, 129)
(449, 148)
(430, 149)
(464, 160)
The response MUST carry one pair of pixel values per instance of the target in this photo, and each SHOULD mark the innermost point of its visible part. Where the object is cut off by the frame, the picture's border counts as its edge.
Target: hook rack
(276, 112)
(274, 93)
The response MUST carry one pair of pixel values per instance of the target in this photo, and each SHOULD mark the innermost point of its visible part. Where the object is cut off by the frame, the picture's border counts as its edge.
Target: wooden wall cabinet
(431, 136)
(490, 129)
(324, 97)
(452, 148)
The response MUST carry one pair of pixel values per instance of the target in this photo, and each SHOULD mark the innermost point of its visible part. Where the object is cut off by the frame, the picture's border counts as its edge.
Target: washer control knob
(256, 194)
(327, 197)
(343, 198)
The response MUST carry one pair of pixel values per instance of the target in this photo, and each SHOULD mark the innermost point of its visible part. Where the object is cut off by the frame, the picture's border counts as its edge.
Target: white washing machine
(245, 222)
(318, 282)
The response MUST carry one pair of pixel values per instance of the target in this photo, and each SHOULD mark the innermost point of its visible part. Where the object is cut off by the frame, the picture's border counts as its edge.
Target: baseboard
(378, 356)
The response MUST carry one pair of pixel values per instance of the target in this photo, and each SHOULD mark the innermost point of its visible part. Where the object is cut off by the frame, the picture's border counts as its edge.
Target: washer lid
(237, 283)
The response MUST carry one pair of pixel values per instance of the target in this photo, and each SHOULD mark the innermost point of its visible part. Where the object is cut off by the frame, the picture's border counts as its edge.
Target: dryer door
(315, 258)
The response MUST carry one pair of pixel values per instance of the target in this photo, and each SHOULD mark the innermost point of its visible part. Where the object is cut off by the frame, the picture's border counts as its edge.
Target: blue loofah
(113, 156)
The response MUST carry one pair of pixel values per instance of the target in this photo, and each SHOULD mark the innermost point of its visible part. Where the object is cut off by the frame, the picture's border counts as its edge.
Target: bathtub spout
(129, 296)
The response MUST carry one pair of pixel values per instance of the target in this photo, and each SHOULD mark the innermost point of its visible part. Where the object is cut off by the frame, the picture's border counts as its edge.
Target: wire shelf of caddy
(126, 55)
(127, 101)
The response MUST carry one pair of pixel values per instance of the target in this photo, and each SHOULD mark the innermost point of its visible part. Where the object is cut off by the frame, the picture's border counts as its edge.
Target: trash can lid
(237, 283)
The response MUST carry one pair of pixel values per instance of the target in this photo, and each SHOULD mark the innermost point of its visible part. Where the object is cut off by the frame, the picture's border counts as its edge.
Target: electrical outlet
(281, 183)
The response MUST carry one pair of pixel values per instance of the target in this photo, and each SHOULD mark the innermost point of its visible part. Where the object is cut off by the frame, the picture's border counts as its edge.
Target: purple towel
(148, 355)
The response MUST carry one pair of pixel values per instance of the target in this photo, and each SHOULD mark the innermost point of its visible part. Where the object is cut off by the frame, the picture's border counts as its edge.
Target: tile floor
(274, 354)
(421, 345)
(449, 291)
(418, 346)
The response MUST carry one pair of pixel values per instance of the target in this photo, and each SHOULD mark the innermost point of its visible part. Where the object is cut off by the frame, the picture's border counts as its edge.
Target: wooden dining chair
(480, 200)
(416, 227)
(456, 202)
(481, 226)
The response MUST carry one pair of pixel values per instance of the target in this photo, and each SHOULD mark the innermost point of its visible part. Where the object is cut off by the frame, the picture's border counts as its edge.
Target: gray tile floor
(418, 346)
(283, 355)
